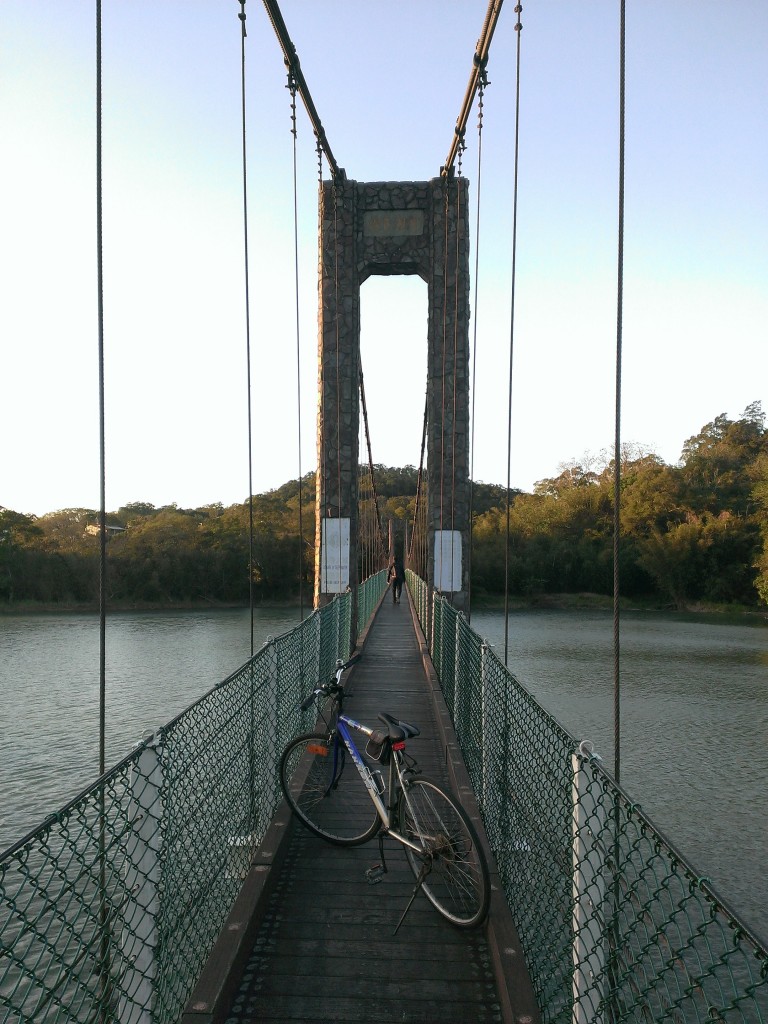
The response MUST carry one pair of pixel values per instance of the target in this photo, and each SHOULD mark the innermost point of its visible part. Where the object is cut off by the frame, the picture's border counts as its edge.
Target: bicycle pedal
(375, 874)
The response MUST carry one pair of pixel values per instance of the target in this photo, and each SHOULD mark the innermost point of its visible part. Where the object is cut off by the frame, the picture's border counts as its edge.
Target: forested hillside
(692, 533)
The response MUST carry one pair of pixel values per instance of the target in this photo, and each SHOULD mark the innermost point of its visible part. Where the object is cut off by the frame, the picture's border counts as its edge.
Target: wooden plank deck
(321, 944)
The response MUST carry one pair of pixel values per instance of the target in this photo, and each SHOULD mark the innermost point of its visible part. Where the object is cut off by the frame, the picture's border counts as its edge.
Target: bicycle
(440, 842)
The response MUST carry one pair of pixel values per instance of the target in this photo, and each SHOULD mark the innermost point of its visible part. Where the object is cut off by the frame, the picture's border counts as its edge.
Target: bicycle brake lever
(309, 701)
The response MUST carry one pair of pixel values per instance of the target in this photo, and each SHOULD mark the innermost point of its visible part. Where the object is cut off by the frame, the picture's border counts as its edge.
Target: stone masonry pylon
(391, 228)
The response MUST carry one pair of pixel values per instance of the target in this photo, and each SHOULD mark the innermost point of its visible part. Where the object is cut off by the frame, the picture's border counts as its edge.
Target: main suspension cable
(479, 61)
(519, 31)
(294, 68)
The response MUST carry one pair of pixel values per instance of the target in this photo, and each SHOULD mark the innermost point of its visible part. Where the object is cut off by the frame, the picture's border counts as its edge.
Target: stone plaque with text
(387, 223)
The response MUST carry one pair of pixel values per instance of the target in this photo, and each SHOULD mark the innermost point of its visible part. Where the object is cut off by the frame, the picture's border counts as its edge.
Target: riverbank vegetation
(692, 534)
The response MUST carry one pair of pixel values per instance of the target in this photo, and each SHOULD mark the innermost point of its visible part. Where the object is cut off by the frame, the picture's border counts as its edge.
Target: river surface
(694, 747)
(158, 663)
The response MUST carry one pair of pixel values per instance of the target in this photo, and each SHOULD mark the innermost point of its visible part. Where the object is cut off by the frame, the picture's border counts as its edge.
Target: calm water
(158, 663)
(694, 712)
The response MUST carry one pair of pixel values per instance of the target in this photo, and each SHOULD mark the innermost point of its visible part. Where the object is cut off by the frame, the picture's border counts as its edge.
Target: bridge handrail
(110, 907)
(615, 923)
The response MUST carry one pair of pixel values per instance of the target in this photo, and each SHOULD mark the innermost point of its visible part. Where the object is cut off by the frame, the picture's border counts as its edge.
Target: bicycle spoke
(457, 880)
(326, 793)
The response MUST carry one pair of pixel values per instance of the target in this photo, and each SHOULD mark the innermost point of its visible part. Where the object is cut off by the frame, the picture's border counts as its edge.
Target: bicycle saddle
(398, 730)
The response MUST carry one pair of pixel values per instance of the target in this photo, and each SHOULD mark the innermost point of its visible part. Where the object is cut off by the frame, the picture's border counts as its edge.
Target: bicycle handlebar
(331, 686)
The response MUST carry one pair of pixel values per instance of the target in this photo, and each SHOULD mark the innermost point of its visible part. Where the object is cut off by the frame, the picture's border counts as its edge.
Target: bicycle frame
(441, 845)
(343, 725)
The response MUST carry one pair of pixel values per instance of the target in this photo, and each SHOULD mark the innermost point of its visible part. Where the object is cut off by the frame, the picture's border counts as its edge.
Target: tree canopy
(695, 532)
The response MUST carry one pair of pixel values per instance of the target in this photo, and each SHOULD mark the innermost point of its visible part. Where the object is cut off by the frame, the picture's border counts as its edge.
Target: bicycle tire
(457, 883)
(329, 801)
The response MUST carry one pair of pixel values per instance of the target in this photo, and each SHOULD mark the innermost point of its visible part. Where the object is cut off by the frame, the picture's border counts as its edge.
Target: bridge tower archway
(393, 228)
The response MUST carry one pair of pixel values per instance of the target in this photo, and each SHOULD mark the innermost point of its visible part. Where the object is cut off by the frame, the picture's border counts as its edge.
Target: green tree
(760, 497)
(133, 511)
(673, 558)
(65, 530)
(19, 534)
(715, 462)
(154, 560)
(650, 497)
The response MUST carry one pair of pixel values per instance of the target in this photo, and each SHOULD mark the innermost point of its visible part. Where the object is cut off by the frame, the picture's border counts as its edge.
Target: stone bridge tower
(389, 228)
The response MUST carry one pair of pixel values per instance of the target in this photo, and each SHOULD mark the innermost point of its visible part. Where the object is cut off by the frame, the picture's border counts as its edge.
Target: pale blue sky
(388, 79)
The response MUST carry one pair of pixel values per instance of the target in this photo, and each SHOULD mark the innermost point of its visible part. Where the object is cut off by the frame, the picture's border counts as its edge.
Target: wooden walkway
(321, 947)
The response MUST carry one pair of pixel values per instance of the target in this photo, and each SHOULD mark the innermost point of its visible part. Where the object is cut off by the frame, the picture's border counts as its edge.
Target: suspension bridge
(177, 887)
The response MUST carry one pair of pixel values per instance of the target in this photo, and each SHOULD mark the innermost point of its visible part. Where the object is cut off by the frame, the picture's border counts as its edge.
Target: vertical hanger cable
(519, 31)
(294, 132)
(617, 438)
(480, 96)
(243, 35)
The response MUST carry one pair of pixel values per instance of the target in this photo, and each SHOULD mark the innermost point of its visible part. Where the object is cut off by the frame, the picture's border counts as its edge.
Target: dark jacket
(396, 571)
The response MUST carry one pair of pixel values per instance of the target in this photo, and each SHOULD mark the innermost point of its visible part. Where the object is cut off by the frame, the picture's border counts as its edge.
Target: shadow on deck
(309, 939)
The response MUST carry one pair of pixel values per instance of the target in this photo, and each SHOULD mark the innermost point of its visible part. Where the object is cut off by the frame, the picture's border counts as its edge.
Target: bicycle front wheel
(452, 864)
(326, 793)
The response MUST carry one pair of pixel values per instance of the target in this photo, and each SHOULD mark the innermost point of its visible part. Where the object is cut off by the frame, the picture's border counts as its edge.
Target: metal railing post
(458, 682)
(490, 789)
(588, 918)
(271, 739)
(142, 879)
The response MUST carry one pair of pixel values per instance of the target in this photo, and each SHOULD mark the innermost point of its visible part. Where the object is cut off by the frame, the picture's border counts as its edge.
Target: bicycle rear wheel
(327, 796)
(456, 879)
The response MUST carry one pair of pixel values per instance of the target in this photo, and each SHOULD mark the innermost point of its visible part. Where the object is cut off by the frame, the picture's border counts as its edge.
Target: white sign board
(334, 576)
(448, 561)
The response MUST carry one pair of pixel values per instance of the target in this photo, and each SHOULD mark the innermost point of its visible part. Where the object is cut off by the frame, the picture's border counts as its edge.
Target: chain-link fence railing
(109, 909)
(420, 596)
(368, 596)
(615, 923)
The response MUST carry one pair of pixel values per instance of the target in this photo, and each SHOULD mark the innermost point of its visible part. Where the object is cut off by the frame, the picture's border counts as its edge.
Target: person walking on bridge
(396, 576)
